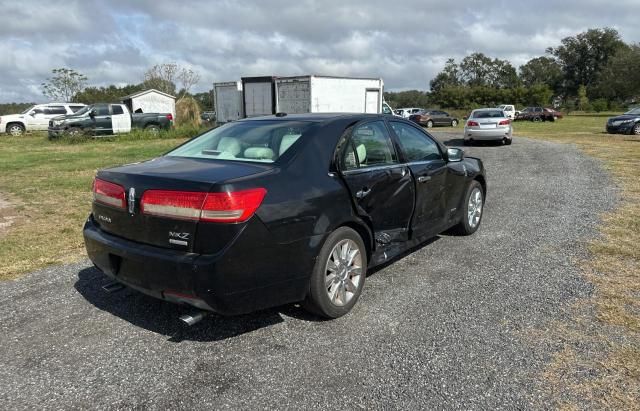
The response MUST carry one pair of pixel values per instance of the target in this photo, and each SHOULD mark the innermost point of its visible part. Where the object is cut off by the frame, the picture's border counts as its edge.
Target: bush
(599, 105)
(188, 112)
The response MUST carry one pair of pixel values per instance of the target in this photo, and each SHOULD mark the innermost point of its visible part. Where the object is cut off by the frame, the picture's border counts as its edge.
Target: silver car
(488, 124)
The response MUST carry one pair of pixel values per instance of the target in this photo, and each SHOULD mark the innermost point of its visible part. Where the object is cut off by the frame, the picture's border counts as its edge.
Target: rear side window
(259, 141)
(55, 110)
(370, 146)
(116, 110)
(416, 145)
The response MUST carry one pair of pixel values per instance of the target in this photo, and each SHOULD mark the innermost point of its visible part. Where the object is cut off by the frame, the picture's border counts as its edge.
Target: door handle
(424, 179)
(363, 193)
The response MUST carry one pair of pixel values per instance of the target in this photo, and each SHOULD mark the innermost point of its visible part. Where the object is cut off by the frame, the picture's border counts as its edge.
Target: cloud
(114, 42)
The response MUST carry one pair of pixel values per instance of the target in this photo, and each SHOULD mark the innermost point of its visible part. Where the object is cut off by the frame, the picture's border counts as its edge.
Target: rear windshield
(261, 141)
(488, 114)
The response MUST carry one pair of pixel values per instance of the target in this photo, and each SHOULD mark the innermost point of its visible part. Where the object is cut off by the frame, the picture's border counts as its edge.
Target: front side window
(116, 110)
(370, 146)
(416, 145)
(102, 110)
(257, 141)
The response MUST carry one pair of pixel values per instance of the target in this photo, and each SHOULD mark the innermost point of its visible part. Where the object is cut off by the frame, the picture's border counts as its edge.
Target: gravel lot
(444, 327)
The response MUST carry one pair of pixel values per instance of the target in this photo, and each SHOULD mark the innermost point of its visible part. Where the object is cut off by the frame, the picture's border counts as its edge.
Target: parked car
(407, 112)
(430, 118)
(509, 110)
(272, 210)
(488, 124)
(106, 119)
(36, 118)
(628, 123)
(538, 114)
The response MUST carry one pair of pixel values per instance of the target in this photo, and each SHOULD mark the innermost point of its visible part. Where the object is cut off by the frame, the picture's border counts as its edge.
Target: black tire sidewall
(466, 229)
(318, 300)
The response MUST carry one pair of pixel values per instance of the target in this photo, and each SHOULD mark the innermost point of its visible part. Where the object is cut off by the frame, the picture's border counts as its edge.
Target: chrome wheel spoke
(330, 280)
(342, 272)
(350, 286)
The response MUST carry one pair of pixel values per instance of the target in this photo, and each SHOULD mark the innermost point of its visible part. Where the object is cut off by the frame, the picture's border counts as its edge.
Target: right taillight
(108, 193)
(226, 207)
(504, 122)
(472, 123)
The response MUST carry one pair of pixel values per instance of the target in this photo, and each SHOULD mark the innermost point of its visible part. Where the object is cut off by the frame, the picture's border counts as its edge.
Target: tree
(165, 76)
(450, 76)
(542, 70)
(619, 80)
(475, 68)
(64, 84)
(108, 94)
(583, 100)
(583, 57)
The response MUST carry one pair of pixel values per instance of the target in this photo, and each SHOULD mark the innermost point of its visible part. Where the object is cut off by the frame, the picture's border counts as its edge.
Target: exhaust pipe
(193, 318)
(113, 287)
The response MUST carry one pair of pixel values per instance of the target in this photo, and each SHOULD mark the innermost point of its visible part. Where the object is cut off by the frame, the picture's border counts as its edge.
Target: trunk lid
(165, 173)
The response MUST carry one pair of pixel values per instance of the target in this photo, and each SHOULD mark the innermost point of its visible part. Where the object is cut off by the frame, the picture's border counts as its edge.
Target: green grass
(49, 187)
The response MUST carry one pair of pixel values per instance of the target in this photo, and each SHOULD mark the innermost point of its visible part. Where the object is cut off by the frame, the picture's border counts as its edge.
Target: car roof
(316, 117)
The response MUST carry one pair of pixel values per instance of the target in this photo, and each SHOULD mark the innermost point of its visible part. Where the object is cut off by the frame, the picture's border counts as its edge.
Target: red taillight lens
(108, 193)
(504, 123)
(170, 117)
(231, 207)
(472, 123)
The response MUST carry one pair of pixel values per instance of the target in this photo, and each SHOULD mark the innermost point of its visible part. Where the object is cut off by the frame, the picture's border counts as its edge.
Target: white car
(509, 110)
(407, 112)
(36, 118)
(488, 124)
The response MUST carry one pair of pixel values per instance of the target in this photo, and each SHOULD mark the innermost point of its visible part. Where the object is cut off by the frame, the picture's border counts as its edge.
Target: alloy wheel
(474, 209)
(343, 272)
(15, 130)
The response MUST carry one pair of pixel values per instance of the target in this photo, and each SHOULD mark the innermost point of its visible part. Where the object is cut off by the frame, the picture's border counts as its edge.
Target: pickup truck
(107, 119)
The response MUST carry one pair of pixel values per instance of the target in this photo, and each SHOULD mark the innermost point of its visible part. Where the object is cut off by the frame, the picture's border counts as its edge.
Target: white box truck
(227, 98)
(259, 96)
(325, 94)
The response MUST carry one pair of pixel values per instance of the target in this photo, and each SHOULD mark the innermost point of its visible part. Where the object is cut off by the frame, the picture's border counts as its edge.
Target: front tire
(15, 129)
(636, 129)
(429, 124)
(472, 210)
(338, 275)
(536, 119)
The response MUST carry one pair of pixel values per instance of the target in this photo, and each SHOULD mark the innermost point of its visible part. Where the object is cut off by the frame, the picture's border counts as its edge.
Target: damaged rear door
(382, 189)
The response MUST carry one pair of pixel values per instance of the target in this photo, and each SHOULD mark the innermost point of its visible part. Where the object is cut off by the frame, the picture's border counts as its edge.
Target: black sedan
(628, 123)
(274, 210)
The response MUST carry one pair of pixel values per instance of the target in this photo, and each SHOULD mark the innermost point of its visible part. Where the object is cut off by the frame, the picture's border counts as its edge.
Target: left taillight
(226, 207)
(108, 193)
(504, 122)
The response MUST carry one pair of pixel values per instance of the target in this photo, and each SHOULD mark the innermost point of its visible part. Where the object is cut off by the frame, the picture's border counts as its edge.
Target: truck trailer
(228, 101)
(259, 96)
(325, 94)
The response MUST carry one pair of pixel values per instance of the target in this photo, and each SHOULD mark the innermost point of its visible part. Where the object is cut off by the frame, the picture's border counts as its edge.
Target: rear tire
(507, 141)
(15, 129)
(338, 275)
(153, 129)
(454, 123)
(472, 209)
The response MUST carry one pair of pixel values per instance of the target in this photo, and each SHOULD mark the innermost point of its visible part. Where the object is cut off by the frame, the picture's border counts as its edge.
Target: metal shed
(151, 101)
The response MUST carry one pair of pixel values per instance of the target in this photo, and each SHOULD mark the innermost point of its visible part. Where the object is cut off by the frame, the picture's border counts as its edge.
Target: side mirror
(93, 113)
(455, 155)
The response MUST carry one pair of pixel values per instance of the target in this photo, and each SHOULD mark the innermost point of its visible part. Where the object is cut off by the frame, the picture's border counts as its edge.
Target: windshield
(262, 141)
(28, 110)
(487, 114)
(634, 111)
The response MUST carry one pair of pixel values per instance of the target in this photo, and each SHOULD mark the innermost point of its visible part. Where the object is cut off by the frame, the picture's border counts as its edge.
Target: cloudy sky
(404, 42)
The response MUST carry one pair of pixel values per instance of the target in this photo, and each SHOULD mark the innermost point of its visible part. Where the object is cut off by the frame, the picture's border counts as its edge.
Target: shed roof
(142, 93)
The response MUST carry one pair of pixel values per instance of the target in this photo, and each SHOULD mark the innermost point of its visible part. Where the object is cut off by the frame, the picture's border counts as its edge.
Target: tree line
(594, 70)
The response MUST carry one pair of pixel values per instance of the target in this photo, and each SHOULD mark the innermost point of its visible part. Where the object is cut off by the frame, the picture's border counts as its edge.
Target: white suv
(36, 118)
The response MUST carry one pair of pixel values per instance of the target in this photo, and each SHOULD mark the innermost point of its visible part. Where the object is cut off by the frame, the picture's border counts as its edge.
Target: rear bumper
(487, 134)
(218, 282)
